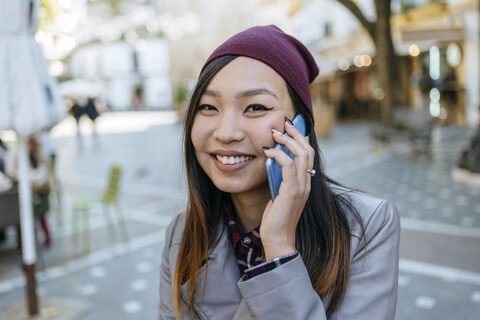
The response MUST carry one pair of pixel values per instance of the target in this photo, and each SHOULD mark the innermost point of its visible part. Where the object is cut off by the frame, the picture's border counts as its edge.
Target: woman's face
(234, 118)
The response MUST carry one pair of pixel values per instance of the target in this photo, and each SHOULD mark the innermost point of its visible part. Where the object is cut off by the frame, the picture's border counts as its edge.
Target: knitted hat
(282, 52)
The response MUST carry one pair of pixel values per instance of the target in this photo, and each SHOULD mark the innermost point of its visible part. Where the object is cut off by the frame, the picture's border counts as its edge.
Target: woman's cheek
(197, 134)
(278, 125)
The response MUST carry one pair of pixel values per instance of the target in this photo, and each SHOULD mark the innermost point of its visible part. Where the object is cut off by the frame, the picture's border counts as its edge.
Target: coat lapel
(221, 297)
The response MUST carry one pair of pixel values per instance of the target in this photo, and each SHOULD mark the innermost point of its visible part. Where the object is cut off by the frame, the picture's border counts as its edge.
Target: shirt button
(247, 241)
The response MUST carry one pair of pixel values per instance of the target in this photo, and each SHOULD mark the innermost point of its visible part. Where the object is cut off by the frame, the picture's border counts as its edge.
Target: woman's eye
(207, 107)
(257, 108)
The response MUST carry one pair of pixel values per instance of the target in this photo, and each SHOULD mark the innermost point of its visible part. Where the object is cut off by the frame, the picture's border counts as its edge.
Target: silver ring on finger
(312, 172)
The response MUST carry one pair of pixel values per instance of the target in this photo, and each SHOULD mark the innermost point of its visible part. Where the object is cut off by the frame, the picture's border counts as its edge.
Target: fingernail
(289, 121)
(265, 148)
(276, 131)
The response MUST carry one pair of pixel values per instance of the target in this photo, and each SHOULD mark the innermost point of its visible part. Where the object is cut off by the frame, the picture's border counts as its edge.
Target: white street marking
(437, 271)
(440, 228)
(425, 302)
(132, 306)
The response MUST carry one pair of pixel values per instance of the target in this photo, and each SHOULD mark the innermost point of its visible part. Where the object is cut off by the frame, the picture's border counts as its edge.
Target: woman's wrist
(278, 251)
(277, 244)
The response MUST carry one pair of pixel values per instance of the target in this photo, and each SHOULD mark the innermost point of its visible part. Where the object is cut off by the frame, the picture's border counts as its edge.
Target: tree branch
(357, 12)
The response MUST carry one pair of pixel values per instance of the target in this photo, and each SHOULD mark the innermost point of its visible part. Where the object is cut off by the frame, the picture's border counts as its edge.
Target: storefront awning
(442, 34)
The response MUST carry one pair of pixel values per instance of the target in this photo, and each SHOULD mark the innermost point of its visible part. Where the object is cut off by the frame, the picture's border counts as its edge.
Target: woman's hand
(280, 218)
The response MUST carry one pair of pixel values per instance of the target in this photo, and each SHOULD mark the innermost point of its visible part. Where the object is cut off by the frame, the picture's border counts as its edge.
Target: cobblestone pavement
(440, 260)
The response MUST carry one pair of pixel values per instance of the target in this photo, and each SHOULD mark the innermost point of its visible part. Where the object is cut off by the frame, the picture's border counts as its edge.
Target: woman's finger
(294, 172)
(302, 140)
(298, 145)
(294, 145)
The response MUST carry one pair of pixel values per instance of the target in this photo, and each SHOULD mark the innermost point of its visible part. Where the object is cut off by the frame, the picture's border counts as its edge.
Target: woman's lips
(231, 163)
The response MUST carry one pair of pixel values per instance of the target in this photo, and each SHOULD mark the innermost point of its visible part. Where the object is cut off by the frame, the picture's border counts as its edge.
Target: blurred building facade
(146, 51)
(437, 43)
(119, 44)
(447, 35)
(217, 20)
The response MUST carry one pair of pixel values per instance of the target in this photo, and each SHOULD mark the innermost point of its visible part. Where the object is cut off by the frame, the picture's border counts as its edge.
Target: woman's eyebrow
(254, 92)
(243, 94)
(212, 93)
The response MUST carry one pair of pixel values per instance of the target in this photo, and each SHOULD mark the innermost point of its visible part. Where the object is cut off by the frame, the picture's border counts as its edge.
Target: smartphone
(274, 169)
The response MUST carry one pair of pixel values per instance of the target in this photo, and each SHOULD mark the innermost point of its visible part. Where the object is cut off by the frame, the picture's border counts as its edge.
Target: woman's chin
(241, 187)
(230, 188)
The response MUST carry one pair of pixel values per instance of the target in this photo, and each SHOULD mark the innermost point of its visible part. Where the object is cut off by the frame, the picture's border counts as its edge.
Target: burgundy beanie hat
(282, 52)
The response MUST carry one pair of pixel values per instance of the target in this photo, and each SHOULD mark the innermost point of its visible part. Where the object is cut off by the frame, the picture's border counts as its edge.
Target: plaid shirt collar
(243, 243)
(248, 249)
(237, 234)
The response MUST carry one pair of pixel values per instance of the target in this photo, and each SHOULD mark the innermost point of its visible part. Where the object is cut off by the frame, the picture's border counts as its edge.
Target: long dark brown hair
(323, 232)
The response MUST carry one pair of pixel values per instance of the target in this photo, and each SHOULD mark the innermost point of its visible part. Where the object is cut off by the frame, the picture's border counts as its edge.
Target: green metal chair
(108, 200)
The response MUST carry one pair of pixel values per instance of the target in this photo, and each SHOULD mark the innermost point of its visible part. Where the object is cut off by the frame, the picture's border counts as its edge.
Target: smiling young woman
(318, 251)
(234, 118)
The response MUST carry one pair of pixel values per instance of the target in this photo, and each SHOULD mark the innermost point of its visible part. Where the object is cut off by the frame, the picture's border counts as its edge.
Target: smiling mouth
(233, 159)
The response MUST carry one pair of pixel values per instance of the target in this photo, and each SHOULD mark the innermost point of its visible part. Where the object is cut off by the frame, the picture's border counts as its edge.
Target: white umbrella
(81, 88)
(28, 103)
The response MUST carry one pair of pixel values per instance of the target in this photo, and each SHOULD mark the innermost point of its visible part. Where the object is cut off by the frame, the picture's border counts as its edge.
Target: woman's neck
(249, 208)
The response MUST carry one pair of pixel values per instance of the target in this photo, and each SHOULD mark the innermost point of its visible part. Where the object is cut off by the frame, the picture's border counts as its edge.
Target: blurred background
(396, 110)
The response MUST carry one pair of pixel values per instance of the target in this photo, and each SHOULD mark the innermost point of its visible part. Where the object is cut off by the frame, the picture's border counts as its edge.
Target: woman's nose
(228, 129)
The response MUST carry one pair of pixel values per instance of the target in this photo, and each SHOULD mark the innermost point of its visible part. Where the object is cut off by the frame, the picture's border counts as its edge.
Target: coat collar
(221, 287)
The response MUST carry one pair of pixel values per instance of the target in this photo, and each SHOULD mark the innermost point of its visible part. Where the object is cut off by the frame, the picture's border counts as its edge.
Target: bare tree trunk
(387, 64)
(386, 58)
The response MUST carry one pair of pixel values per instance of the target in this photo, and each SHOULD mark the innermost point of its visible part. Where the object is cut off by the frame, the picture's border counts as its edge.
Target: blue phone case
(274, 169)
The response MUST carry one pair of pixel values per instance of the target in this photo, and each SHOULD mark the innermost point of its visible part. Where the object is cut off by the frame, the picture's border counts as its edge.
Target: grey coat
(286, 292)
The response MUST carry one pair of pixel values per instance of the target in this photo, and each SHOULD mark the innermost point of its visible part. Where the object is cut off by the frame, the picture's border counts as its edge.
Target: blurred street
(118, 278)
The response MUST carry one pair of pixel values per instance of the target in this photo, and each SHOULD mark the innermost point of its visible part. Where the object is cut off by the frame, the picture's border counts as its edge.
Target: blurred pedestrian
(449, 93)
(5, 182)
(39, 179)
(40, 164)
(138, 100)
(92, 113)
(3, 153)
(320, 250)
(77, 111)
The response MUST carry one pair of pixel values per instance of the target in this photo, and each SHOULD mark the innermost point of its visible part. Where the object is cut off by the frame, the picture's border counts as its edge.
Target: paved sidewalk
(440, 256)
(440, 260)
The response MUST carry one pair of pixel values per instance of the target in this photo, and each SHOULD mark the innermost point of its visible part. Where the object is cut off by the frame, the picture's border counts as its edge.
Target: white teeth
(232, 159)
